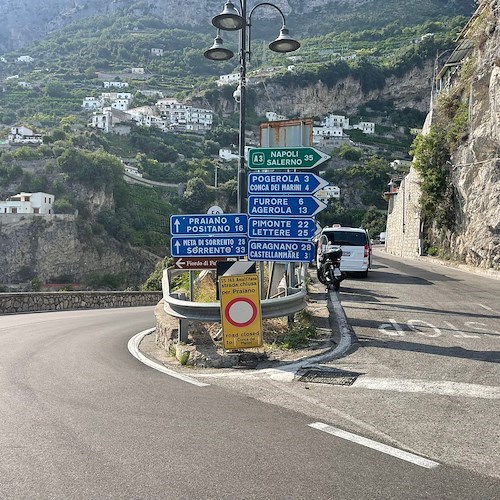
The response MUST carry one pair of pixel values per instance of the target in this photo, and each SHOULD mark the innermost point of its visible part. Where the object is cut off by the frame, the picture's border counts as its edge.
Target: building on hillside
(365, 127)
(121, 104)
(230, 79)
(91, 103)
(111, 120)
(226, 154)
(24, 136)
(181, 116)
(28, 203)
(117, 85)
(327, 193)
(137, 71)
(274, 117)
(157, 52)
(334, 121)
(26, 59)
(167, 115)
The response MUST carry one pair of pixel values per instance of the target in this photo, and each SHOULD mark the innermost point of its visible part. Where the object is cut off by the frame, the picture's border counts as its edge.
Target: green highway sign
(285, 158)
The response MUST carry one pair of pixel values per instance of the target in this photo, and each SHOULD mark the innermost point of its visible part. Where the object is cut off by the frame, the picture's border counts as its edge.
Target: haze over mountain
(23, 21)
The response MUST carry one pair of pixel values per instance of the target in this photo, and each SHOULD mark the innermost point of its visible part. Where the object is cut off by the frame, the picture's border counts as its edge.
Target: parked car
(356, 247)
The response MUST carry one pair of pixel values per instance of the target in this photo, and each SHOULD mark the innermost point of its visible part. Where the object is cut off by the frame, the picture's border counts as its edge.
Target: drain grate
(332, 376)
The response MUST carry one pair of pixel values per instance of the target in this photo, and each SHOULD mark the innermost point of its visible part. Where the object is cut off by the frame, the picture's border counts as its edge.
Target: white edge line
(133, 347)
(369, 443)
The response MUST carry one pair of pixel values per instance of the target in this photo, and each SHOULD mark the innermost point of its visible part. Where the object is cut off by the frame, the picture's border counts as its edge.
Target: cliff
(476, 163)
(411, 90)
(466, 105)
(51, 247)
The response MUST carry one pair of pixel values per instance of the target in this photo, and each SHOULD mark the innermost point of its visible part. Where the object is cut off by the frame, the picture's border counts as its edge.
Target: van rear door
(355, 249)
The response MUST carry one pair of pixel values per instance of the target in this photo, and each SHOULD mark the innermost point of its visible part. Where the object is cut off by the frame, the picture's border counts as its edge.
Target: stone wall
(61, 301)
(403, 236)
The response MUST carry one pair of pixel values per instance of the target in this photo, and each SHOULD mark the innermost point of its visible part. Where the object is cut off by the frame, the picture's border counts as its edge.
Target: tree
(196, 196)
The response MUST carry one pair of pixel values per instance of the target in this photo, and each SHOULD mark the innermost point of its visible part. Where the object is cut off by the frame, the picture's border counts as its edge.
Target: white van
(355, 244)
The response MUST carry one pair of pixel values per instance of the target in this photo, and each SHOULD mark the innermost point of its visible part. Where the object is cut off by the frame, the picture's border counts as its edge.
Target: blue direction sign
(208, 224)
(281, 251)
(208, 246)
(270, 227)
(284, 183)
(291, 206)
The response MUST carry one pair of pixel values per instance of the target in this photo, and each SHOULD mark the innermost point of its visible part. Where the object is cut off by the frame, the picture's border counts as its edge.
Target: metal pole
(243, 75)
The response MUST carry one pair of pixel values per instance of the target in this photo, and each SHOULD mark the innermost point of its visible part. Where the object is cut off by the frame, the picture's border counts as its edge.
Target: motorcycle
(328, 271)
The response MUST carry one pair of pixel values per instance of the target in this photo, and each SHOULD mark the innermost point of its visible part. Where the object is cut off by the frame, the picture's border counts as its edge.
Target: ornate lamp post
(232, 19)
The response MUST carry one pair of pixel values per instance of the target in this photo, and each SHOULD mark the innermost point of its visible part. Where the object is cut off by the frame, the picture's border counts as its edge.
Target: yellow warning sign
(240, 311)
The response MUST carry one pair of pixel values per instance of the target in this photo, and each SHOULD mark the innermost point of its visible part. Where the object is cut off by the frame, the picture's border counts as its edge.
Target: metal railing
(176, 305)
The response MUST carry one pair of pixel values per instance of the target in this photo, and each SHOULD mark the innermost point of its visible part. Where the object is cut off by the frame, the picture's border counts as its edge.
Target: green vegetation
(299, 333)
(78, 164)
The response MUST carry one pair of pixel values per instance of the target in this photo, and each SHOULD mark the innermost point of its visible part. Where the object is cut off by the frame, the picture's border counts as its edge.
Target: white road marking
(375, 445)
(133, 347)
(444, 387)
(485, 307)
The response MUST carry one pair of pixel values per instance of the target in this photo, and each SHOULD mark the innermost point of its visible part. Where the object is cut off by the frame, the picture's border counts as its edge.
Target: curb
(343, 335)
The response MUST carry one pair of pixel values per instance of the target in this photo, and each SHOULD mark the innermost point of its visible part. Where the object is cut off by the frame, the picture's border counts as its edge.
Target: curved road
(81, 418)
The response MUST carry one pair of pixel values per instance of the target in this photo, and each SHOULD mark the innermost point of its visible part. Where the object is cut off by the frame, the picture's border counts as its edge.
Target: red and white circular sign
(241, 311)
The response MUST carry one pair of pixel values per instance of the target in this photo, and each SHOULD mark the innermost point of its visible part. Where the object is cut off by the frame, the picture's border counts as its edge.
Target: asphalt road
(81, 418)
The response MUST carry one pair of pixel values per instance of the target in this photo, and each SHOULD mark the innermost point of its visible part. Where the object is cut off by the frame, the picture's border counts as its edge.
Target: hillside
(386, 80)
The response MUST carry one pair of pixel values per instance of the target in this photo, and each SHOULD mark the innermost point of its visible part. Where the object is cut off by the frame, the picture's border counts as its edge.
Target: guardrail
(185, 310)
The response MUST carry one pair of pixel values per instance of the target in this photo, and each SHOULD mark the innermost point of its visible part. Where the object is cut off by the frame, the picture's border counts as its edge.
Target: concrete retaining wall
(61, 301)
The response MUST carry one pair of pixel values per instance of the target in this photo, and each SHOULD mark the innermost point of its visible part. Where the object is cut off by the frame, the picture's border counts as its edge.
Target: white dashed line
(375, 445)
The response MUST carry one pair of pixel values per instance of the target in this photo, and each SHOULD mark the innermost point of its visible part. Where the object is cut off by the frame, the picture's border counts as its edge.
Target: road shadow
(454, 351)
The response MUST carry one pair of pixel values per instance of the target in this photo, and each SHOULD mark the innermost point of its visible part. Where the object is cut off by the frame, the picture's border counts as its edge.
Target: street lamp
(232, 19)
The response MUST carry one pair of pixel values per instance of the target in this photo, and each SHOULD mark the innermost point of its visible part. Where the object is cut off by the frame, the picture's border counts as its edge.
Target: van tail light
(367, 251)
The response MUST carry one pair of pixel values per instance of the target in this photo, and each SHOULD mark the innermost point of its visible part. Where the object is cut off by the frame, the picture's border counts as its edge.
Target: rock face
(412, 90)
(477, 163)
(48, 247)
(475, 238)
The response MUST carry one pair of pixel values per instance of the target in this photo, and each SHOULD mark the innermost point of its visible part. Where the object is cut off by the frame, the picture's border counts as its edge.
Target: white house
(108, 120)
(117, 85)
(230, 79)
(227, 155)
(274, 117)
(120, 104)
(157, 52)
(336, 121)
(24, 136)
(91, 103)
(28, 203)
(137, 71)
(26, 59)
(328, 192)
(366, 127)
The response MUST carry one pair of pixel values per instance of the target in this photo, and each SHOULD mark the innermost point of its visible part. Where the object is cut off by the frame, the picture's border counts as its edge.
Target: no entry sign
(240, 311)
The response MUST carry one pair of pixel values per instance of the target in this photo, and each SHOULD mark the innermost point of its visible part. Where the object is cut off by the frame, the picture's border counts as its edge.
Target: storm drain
(331, 376)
